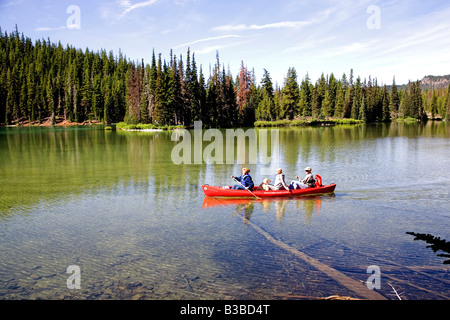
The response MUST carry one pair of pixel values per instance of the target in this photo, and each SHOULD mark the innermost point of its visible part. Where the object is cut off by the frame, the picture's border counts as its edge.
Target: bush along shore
(276, 123)
(145, 127)
(306, 122)
(261, 124)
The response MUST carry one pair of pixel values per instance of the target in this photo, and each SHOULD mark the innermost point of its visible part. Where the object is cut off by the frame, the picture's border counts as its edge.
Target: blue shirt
(246, 180)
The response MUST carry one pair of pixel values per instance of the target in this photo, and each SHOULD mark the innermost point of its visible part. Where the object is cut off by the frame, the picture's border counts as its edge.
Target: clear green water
(139, 227)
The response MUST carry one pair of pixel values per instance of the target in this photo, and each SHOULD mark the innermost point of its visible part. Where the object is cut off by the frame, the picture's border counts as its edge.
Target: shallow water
(138, 226)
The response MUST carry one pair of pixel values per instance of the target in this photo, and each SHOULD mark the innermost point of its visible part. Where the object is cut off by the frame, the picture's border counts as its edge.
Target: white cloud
(124, 3)
(210, 49)
(50, 29)
(277, 25)
(358, 47)
(311, 43)
(130, 7)
(207, 39)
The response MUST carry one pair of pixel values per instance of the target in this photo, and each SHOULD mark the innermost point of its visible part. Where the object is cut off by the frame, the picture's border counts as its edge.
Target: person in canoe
(279, 183)
(246, 181)
(307, 182)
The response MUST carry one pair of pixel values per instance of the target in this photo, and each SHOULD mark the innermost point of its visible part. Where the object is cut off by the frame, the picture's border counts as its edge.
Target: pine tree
(86, 90)
(405, 102)
(188, 91)
(332, 88)
(394, 104)
(202, 97)
(158, 111)
(339, 106)
(291, 95)
(168, 95)
(414, 106)
(363, 109)
(433, 106)
(50, 97)
(108, 105)
(23, 97)
(386, 116)
(175, 87)
(255, 98)
(243, 91)
(266, 107)
(97, 97)
(211, 104)
(447, 104)
(134, 93)
(304, 104)
(10, 96)
(31, 93)
(277, 102)
(316, 103)
(348, 99)
(327, 108)
(230, 102)
(357, 98)
(74, 93)
(153, 74)
(194, 92)
(322, 88)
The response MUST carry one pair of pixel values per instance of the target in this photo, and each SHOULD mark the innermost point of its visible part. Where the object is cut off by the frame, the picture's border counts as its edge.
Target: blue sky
(382, 39)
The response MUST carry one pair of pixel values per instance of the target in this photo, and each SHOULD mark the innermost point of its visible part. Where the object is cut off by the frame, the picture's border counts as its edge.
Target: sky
(405, 39)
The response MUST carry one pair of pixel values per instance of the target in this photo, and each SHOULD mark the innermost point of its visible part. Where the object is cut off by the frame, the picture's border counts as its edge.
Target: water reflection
(309, 205)
(115, 204)
(45, 163)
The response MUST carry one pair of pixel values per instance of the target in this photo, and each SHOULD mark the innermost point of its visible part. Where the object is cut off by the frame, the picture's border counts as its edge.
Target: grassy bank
(306, 122)
(277, 123)
(142, 126)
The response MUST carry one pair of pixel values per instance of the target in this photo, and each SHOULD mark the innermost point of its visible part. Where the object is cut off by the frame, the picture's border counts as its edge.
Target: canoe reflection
(308, 204)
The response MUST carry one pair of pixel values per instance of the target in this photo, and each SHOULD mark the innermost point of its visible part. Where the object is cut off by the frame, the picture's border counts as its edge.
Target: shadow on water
(436, 244)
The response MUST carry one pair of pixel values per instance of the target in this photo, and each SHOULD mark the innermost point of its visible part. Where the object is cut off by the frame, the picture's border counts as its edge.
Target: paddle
(246, 188)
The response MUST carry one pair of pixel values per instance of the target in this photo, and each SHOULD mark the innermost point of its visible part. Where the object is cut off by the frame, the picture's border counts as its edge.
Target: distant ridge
(428, 82)
(435, 82)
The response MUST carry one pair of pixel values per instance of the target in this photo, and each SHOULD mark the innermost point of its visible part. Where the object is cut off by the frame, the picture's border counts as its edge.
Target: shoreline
(154, 128)
(142, 130)
(47, 122)
(307, 122)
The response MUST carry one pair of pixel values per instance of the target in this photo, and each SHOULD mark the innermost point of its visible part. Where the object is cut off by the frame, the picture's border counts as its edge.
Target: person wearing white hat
(307, 182)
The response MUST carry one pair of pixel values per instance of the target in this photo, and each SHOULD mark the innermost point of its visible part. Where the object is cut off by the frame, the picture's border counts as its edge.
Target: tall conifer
(291, 95)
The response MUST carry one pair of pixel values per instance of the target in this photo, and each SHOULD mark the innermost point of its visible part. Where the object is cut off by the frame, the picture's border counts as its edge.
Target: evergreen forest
(45, 81)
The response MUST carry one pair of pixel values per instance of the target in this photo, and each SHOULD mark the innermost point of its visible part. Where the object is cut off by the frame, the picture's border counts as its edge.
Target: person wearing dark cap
(307, 182)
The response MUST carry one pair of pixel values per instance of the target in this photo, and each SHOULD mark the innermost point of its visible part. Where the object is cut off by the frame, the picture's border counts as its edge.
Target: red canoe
(226, 192)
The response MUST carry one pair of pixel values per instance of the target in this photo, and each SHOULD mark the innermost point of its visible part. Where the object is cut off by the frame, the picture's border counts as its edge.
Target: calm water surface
(139, 227)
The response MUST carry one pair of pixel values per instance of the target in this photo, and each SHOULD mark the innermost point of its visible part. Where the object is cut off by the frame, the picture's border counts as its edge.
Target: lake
(114, 207)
